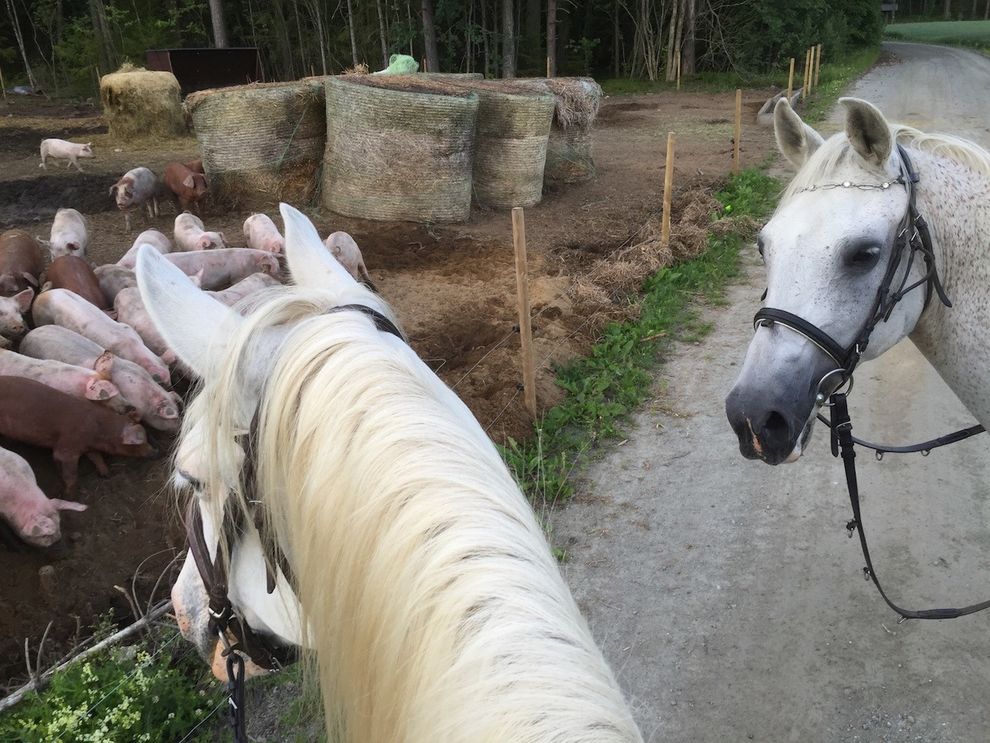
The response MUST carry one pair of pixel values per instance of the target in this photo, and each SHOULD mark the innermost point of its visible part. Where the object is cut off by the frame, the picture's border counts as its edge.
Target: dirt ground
(453, 288)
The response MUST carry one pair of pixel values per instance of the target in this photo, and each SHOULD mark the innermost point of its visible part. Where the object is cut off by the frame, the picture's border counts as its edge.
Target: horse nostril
(775, 425)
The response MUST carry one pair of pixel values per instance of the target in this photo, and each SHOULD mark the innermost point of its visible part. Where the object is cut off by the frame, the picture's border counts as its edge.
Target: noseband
(224, 621)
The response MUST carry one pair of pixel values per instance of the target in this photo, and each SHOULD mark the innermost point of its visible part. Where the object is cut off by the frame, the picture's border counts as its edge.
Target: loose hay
(398, 148)
(261, 143)
(138, 103)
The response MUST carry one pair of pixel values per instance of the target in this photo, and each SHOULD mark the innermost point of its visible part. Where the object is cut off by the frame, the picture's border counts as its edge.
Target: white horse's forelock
(433, 602)
(836, 151)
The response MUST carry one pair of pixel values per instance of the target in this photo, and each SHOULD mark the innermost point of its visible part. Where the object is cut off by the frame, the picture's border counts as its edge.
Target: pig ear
(67, 505)
(188, 181)
(104, 365)
(24, 299)
(100, 389)
(310, 263)
(192, 322)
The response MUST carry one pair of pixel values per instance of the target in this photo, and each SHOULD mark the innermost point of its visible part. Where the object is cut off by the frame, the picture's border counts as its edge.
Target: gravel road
(725, 592)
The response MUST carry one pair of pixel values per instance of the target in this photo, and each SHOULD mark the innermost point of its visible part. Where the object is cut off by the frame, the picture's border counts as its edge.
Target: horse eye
(863, 258)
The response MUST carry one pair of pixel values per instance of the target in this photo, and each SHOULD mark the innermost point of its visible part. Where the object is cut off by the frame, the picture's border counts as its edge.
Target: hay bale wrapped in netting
(569, 151)
(398, 149)
(261, 143)
(139, 103)
(453, 77)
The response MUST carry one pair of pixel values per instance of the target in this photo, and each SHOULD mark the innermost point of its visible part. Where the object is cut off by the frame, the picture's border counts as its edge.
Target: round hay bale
(138, 103)
(261, 143)
(569, 151)
(452, 77)
(398, 153)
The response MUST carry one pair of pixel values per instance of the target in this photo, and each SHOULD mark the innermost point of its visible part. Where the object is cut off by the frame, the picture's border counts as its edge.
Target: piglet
(62, 307)
(219, 269)
(68, 236)
(32, 515)
(21, 262)
(136, 188)
(154, 238)
(262, 234)
(186, 187)
(196, 166)
(34, 413)
(12, 311)
(158, 408)
(112, 279)
(191, 235)
(73, 273)
(346, 251)
(244, 288)
(86, 384)
(131, 311)
(59, 148)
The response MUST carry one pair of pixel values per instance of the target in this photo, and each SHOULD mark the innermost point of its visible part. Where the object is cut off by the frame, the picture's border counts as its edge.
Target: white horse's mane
(836, 150)
(435, 606)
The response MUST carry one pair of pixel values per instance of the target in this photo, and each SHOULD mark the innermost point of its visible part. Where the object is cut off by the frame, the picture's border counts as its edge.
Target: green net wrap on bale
(261, 143)
(398, 153)
(569, 151)
(138, 103)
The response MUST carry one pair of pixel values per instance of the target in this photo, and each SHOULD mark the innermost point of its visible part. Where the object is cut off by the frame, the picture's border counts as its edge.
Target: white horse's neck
(956, 202)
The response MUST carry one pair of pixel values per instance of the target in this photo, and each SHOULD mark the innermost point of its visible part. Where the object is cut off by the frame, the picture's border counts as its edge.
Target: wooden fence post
(548, 67)
(790, 81)
(818, 63)
(807, 70)
(525, 322)
(677, 67)
(737, 135)
(668, 187)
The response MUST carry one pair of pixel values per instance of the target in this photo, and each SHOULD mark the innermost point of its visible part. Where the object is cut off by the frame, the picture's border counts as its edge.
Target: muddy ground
(453, 288)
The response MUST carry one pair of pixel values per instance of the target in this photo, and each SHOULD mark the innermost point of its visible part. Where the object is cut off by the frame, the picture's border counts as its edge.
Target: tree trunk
(12, 12)
(382, 33)
(220, 40)
(102, 32)
(430, 37)
(350, 28)
(533, 36)
(986, 12)
(616, 39)
(552, 38)
(947, 15)
(672, 44)
(688, 53)
(508, 41)
(484, 39)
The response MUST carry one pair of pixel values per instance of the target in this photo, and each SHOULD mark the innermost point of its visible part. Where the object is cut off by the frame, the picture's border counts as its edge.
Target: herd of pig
(94, 371)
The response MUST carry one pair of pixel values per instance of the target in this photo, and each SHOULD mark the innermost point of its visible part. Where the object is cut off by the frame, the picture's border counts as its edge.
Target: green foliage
(956, 33)
(127, 694)
(607, 385)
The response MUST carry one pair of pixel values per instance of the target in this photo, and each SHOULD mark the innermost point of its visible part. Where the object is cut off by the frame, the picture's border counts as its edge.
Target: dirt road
(725, 592)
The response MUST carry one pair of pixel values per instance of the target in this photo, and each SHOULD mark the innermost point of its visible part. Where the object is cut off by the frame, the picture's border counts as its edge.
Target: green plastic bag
(400, 64)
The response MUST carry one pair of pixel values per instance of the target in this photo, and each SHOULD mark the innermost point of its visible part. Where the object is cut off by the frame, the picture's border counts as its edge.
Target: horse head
(830, 252)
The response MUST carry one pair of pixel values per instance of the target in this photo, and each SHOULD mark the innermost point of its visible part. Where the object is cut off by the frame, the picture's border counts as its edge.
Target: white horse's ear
(796, 140)
(310, 263)
(191, 321)
(867, 130)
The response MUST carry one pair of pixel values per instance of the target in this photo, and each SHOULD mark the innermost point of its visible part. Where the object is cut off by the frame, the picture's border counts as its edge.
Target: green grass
(617, 375)
(833, 80)
(955, 33)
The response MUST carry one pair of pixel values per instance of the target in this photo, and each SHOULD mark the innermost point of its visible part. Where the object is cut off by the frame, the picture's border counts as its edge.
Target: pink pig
(86, 384)
(59, 148)
(131, 311)
(113, 278)
(136, 188)
(158, 408)
(219, 269)
(262, 234)
(68, 236)
(12, 311)
(191, 235)
(244, 288)
(154, 238)
(346, 251)
(29, 511)
(62, 307)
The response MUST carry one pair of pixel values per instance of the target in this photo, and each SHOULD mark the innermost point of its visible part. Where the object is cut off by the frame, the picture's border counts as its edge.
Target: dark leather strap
(771, 315)
(381, 322)
(843, 444)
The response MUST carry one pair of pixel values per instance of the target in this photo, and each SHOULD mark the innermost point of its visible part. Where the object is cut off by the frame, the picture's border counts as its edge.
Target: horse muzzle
(771, 427)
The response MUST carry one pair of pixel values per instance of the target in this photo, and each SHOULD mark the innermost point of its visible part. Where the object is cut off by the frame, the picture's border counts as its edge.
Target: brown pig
(185, 186)
(36, 414)
(73, 273)
(21, 262)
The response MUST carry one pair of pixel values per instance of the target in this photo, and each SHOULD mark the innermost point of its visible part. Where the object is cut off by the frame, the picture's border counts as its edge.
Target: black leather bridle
(238, 638)
(913, 237)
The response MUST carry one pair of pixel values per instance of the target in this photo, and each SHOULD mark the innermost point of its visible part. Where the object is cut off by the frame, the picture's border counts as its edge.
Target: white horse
(827, 250)
(426, 589)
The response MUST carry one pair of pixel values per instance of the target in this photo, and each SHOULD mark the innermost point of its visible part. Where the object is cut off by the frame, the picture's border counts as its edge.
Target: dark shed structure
(200, 69)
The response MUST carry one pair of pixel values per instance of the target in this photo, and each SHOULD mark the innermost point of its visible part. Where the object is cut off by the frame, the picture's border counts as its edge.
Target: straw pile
(138, 103)
(261, 143)
(398, 148)
(569, 155)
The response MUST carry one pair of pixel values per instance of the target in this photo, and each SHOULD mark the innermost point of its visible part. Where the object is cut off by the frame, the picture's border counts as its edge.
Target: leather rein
(913, 236)
(238, 638)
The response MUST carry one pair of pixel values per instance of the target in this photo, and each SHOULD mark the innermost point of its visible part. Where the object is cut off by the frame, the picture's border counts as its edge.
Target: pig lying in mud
(33, 413)
(158, 407)
(31, 514)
